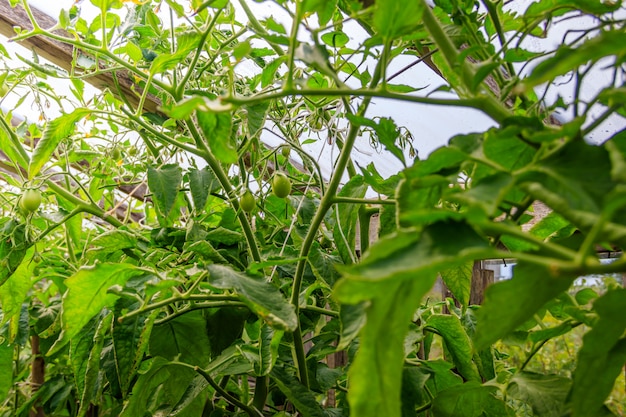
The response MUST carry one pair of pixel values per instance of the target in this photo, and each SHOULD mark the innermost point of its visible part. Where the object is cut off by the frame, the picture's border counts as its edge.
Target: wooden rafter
(62, 54)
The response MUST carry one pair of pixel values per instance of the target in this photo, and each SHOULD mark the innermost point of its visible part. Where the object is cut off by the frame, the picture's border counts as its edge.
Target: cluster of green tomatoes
(281, 188)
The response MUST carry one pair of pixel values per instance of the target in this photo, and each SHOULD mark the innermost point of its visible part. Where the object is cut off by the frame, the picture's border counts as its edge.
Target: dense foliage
(177, 265)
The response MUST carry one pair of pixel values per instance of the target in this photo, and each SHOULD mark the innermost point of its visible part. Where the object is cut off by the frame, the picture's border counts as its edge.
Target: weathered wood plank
(61, 54)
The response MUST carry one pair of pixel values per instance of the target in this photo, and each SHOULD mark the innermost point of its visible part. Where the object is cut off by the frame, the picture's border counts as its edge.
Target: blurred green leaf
(544, 393)
(457, 343)
(602, 356)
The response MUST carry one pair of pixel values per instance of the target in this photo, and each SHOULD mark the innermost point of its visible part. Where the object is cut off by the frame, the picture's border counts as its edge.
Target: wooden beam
(61, 54)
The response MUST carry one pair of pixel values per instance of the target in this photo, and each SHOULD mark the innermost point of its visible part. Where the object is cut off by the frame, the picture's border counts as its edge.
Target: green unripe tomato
(116, 154)
(247, 202)
(281, 185)
(285, 151)
(4, 89)
(30, 200)
(132, 151)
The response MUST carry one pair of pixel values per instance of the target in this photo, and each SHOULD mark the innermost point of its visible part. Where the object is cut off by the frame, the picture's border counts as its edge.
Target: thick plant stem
(327, 201)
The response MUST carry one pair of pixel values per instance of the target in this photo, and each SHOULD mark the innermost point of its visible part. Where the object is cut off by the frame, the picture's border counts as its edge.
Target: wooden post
(481, 279)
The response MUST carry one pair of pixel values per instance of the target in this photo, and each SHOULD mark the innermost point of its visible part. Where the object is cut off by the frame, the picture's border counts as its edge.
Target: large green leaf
(261, 297)
(164, 184)
(56, 131)
(201, 183)
(323, 264)
(457, 343)
(92, 370)
(8, 140)
(393, 18)
(458, 279)
(392, 278)
(217, 129)
(130, 342)
(344, 231)
(602, 356)
(302, 398)
(164, 384)
(183, 338)
(469, 400)
(544, 393)
(510, 303)
(87, 294)
(15, 289)
(13, 245)
(406, 254)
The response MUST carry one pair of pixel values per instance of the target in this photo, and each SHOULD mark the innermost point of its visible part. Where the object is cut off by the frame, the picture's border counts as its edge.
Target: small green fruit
(247, 202)
(281, 185)
(30, 200)
(285, 151)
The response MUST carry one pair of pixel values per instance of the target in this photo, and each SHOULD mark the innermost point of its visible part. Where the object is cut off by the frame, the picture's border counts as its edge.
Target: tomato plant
(152, 286)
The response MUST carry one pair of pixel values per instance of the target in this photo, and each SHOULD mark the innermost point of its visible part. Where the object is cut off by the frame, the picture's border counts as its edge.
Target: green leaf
(220, 336)
(217, 129)
(164, 184)
(130, 342)
(375, 376)
(386, 132)
(183, 338)
(56, 131)
(12, 248)
(80, 347)
(15, 289)
(544, 393)
(508, 304)
(8, 144)
(202, 182)
(458, 344)
(92, 369)
(602, 356)
(335, 39)
(256, 117)
(552, 8)
(407, 254)
(579, 173)
(301, 397)
(6, 368)
(87, 294)
(269, 342)
(567, 59)
(519, 55)
(352, 319)
(393, 18)
(458, 279)
(163, 384)
(344, 232)
(323, 264)
(223, 235)
(261, 297)
(469, 400)
(113, 240)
